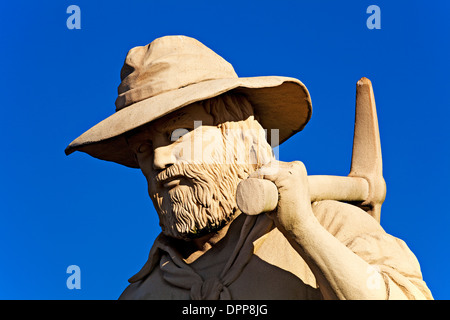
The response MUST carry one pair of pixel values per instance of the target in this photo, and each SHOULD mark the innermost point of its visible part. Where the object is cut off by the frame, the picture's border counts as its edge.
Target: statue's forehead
(179, 117)
(187, 117)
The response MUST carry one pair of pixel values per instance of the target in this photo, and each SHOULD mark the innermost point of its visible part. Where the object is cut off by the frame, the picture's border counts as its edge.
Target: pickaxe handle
(365, 183)
(255, 196)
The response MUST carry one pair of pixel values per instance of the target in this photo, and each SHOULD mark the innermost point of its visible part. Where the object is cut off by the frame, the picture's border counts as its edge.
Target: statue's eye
(177, 134)
(145, 147)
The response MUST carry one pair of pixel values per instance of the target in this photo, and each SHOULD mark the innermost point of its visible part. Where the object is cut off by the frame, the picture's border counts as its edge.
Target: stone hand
(294, 202)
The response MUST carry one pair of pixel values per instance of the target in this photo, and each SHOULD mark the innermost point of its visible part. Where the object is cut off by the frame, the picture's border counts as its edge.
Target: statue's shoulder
(153, 287)
(146, 288)
(343, 220)
(130, 292)
(343, 209)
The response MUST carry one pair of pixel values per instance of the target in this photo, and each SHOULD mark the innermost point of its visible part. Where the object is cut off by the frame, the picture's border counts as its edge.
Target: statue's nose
(163, 157)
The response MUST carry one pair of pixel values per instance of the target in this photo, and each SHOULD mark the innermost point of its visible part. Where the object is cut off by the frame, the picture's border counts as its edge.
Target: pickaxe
(364, 186)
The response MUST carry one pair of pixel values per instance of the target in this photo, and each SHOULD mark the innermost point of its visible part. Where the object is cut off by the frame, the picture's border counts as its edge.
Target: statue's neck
(219, 241)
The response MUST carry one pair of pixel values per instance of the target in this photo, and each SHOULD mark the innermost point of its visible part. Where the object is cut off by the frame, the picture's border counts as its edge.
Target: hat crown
(167, 64)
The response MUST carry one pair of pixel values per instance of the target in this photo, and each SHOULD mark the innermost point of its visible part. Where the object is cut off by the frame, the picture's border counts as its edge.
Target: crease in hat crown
(167, 64)
(174, 71)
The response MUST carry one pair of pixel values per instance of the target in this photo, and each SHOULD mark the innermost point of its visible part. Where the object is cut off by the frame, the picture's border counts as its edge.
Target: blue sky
(58, 211)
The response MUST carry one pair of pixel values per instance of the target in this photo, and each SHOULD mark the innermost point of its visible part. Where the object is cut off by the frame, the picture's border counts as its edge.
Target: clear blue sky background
(56, 83)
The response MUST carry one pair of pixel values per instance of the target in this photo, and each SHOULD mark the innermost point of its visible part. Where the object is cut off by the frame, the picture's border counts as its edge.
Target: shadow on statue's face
(192, 170)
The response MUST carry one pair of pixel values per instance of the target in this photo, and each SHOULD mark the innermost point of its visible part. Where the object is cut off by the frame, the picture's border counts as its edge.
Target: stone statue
(236, 223)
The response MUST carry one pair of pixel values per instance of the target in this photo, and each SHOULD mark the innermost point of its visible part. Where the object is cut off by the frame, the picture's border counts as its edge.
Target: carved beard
(201, 205)
(205, 200)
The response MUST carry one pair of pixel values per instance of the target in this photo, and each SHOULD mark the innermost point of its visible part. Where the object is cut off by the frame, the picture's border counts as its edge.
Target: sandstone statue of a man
(196, 130)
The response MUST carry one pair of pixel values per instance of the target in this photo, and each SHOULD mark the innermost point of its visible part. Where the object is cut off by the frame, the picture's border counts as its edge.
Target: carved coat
(265, 266)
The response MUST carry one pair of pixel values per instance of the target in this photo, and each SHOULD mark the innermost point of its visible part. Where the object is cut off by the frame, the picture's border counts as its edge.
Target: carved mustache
(171, 172)
(181, 170)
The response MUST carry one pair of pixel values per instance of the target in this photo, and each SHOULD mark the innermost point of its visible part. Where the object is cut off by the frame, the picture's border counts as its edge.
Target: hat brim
(279, 102)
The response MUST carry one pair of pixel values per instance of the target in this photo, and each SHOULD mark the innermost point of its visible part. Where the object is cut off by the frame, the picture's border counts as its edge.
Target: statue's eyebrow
(179, 120)
(137, 136)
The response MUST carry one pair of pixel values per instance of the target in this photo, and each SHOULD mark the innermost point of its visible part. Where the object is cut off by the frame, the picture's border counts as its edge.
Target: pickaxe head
(366, 158)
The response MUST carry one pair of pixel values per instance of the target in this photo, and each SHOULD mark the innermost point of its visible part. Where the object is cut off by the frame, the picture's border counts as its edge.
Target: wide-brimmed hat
(175, 71)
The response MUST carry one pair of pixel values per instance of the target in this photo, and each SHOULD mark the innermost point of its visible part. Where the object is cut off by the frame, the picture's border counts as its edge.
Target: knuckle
(255, 174)
(298, 166)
